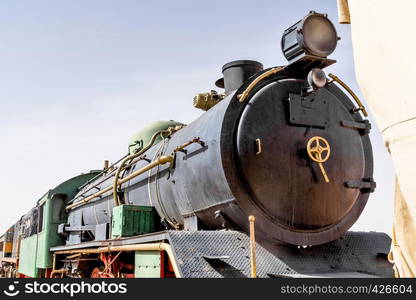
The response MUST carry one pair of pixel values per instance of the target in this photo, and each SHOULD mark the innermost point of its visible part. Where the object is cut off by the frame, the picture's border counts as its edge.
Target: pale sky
(78, 78)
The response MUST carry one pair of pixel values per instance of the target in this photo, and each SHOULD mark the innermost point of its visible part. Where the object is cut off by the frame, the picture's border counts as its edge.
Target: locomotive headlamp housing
(314, 35)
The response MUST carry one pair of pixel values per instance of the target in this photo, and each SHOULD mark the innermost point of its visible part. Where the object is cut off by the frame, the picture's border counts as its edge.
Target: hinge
(363, 127)
(365, 185)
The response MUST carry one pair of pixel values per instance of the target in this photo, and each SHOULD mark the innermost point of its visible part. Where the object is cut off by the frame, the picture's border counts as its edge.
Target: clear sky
(78, 78)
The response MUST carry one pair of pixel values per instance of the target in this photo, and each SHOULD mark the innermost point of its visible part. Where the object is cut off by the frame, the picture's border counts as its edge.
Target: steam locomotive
(285, 147)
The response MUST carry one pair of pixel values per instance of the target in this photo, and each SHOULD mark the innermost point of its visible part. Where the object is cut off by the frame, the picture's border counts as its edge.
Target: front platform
(225, 254)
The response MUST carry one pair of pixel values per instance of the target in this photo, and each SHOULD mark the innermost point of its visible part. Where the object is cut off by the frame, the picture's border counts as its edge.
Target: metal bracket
(190, 223)
(363, 127)
(183, 151)
(166, 224)
(310, 110)
(146, 159)
(78, 228)
(61, 229)
(182, 147)
(365, 185)
(226, 221)
(258, 147)
(100, 231)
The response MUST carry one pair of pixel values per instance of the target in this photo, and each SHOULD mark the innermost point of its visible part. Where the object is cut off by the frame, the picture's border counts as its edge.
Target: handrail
(182, 147)
(241, 97)
(353, 95)
(253, 263)
(160, 161)
(111, 167)
(132, 156)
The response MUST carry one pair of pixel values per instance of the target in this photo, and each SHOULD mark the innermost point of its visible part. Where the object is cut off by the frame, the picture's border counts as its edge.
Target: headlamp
(314, 35)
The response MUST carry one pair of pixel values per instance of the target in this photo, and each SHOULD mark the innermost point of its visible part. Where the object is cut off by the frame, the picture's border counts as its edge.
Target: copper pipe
(53, 265)
(132, 156)
(111, 170)
(253, 263)
(160, 161)
(108, 173)
(62, 272)
(241, 97)
(138, 247)
(183, 146)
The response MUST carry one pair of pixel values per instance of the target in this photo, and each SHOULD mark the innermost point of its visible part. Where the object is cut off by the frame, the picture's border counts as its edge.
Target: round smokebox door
(284, 181)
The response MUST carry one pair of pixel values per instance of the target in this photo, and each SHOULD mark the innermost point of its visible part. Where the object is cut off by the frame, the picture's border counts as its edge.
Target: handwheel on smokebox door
(316, 152)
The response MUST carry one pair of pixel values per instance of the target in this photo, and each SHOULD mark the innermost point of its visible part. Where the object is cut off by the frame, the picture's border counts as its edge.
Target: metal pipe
(109, 172)
(62, 272)
(112, 167)
(138, 247)
(253, 263)
(132, 156)
(107, 267)
(53, 266)
(160, 161)
(241, 97)
(343, 12)
(123, 167)
(183, 146)
(353, 95)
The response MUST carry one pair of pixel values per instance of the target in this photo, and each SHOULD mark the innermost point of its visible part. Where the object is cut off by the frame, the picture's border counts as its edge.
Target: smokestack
(236, 73)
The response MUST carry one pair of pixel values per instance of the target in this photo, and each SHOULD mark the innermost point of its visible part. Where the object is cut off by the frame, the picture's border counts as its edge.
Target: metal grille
(216, 254)
(221, 254)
